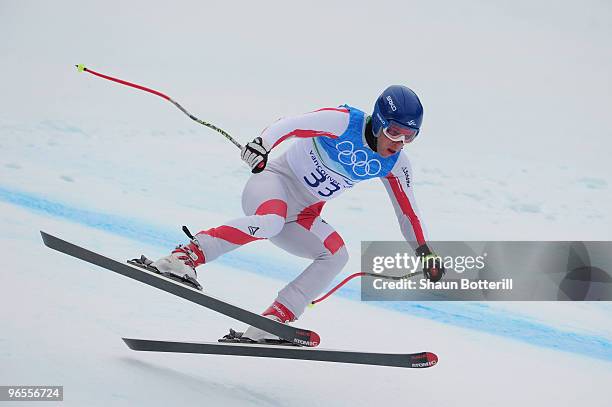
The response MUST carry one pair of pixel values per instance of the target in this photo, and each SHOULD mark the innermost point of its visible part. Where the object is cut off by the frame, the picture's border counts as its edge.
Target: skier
(335, 149)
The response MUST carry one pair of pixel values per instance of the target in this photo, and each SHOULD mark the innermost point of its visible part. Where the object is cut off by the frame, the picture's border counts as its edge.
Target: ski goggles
(398, 132)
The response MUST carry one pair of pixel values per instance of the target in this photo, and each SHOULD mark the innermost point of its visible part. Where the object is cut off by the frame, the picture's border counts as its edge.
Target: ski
(406, 360)
(297, 336)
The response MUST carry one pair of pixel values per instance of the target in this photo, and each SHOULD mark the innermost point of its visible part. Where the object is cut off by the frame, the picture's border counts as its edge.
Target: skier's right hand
(255, 155)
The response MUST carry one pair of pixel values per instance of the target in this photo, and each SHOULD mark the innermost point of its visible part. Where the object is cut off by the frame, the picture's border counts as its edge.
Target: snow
(514, 147)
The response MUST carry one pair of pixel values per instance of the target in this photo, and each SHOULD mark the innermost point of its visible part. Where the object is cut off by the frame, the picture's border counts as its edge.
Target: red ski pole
(352, 276)
(82, 68)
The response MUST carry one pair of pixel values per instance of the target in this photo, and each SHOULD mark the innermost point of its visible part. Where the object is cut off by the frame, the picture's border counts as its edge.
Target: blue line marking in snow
(473, 315)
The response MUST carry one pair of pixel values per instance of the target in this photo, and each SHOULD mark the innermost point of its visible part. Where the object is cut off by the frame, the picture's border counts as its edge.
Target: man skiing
(335, 148)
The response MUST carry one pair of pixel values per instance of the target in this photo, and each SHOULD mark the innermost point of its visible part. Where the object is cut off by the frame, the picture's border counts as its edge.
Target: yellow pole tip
(80, 67)
(311, 305)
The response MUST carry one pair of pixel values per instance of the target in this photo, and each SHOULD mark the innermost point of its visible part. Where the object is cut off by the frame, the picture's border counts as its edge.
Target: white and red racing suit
(284, 202)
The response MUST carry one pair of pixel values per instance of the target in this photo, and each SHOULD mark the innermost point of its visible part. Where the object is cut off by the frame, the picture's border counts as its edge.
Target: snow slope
(65, 320)
(514, 146)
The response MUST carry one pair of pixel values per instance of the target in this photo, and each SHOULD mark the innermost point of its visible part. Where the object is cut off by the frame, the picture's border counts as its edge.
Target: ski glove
(433, 269)
(255, 155)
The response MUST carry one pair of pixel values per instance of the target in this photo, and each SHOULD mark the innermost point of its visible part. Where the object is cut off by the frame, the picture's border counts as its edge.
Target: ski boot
(179, 265)
(278, 312)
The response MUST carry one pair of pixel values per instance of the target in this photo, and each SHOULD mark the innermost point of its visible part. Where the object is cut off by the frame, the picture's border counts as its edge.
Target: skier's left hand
(433, 268)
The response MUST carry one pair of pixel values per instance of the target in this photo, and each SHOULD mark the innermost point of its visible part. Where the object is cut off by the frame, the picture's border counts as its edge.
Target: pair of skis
(304, 339)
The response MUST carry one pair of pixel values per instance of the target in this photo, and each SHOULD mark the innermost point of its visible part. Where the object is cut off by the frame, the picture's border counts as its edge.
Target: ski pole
(352, 276)
(82, 68)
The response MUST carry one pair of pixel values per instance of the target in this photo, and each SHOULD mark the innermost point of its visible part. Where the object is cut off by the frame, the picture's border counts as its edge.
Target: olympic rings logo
(358, 159)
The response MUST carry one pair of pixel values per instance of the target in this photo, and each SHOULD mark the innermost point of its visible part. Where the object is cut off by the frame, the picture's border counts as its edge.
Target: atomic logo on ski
(425, 359)
(306, 338)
